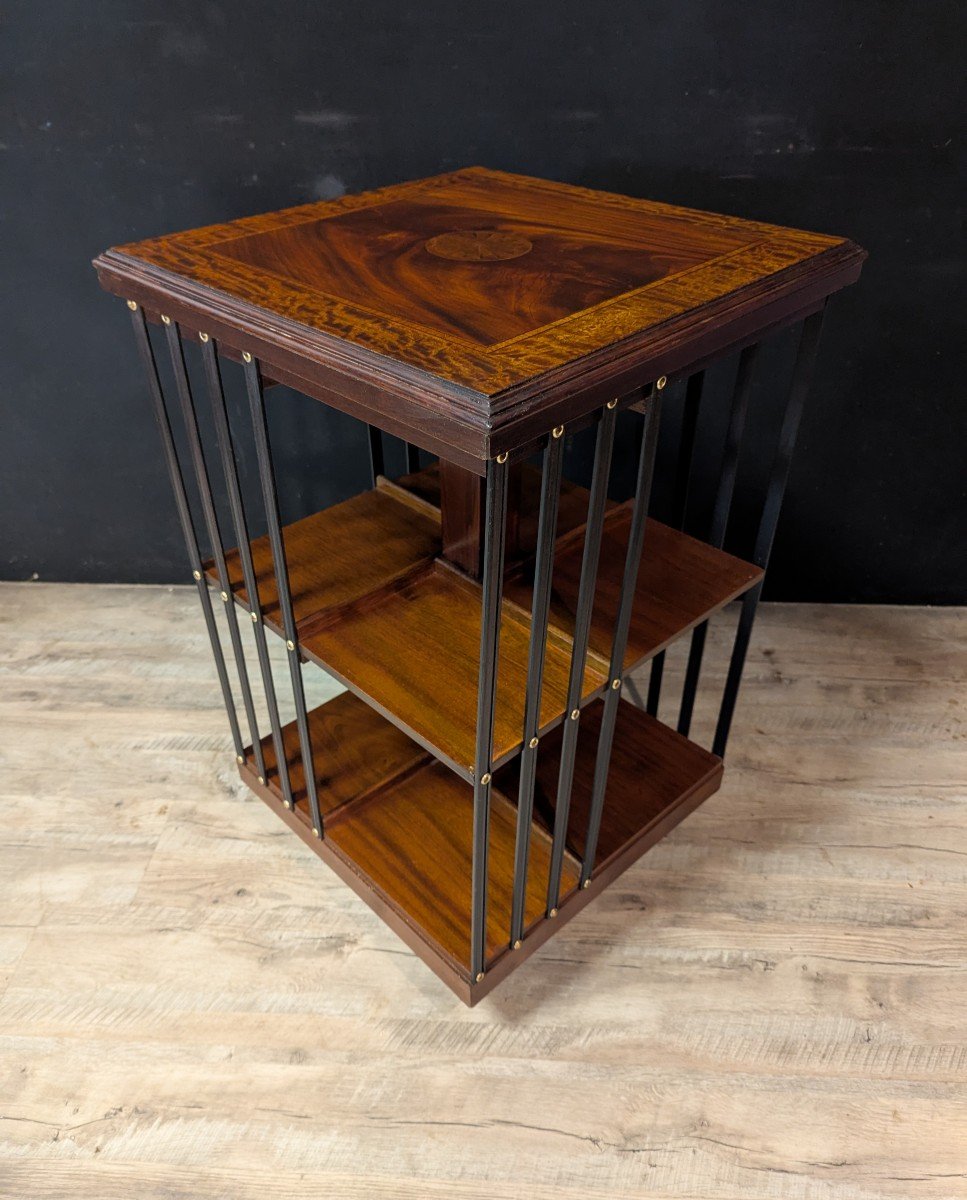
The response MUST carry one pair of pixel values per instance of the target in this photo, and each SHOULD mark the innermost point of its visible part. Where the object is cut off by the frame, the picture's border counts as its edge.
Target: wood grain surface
(351, 301)
(414, 842)
(523, 508)
(680, 582)
(652, 770)
(354, 752)
(403, 631)
(402, 825)
(601, 266)
(415, 653)
(771, 1005)
(340, 554)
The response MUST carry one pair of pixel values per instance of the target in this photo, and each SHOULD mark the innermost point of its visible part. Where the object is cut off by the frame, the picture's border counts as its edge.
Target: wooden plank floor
(771, 1004)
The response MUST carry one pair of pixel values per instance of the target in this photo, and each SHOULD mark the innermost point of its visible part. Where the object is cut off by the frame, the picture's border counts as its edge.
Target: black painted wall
(127, 118)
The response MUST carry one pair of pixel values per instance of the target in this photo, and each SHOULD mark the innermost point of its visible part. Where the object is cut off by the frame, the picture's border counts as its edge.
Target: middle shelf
(377, 608)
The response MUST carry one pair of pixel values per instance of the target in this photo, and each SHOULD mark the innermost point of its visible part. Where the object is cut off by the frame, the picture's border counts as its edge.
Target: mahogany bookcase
(481, 779)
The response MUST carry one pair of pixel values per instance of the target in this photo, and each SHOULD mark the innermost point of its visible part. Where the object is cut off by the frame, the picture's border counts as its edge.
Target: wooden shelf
(355, 751)
(403, 824)
(413, 843)
(681, 582)
(399, 826)
(413, 651)
(340, 555)
(401, 628)
(473, 315)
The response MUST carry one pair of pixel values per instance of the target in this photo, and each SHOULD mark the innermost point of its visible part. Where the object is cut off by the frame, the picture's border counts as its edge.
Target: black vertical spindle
(579, 649)
(190, 418)
(636, 537)
(495, 522)
(377, 464)
(802, 376)
(253, 381)
(184, 515)
(226, 451)
(686, 447)
(720, 519)
(543, 567)
(683, 475)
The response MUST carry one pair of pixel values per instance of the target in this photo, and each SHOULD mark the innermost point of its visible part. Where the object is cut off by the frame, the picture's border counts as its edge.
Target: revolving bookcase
(482, 777)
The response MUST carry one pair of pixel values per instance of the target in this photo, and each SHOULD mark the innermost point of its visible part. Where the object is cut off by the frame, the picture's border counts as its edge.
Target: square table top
(479, 299)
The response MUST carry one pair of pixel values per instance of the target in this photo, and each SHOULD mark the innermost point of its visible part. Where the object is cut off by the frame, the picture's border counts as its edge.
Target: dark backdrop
(127, 118)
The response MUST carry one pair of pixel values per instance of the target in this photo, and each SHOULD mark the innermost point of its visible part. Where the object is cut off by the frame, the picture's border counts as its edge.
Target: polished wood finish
(401, 628)
(463, 505)
(402, 825)
(475, 352)
(372, 608)
(423, 484)
(473, 314)
(572, 508)
(413, 652)
(655, 775)
(413, 843)
(355, 752)
(680, 582)
(523, 505)
(398, 625)
(770, 1004)
(340, 555)
(462, 501)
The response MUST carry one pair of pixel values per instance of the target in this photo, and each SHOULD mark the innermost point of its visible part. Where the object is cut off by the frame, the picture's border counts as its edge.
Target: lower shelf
(399, 826)
(656, 778)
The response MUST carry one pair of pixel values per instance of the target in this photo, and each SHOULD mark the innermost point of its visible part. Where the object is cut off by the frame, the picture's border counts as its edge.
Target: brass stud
(485, 778)
(518, 944)
(315, 831)
(612, 403)
(225, 596)
(615, 684)
(246, 357)
(586, 884)
(289, 645)
(262, 779)
(287, 804)
(533, 743)
(480, 976)
(557, 431)
(552, 913)
(574, 714)
(660, 383)
(255, 617)
(166, 320)
(203, 337)
(239, 759)
(196, 575)
(502, 458)
(133, 307)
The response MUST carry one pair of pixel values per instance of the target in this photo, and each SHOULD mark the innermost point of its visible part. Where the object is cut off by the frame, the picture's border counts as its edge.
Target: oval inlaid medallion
(479, 245)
